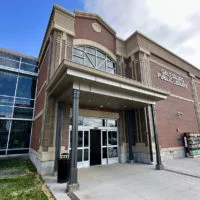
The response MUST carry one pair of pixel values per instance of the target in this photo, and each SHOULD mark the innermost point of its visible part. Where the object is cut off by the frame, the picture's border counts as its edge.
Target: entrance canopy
(100, 89)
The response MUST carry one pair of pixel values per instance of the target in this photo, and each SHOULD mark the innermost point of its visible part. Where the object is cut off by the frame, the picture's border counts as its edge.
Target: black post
(149, 133)
(58, 132)
(73, 183)
(129, 120)
(159, 165)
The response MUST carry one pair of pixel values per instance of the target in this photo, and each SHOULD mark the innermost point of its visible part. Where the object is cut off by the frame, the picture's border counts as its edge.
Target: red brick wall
(84, 30)
(198, 89)
(42, 76)
(40, 100)
(174, 89)
(36, 133)
(168, 121)
(39, 104)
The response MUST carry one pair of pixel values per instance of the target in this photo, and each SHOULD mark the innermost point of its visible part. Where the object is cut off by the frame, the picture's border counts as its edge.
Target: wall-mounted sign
(172, 78)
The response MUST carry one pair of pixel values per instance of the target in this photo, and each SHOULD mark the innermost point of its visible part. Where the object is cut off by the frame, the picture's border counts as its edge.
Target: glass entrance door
(107, 141)
(109, 146)
(95, 147)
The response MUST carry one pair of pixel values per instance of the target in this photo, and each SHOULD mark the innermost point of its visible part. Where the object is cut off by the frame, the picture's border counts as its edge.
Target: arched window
(94, 58)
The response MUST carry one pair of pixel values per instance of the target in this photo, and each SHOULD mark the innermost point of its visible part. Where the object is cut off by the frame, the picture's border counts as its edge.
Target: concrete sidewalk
(130, 182)
(187, 166)
(135, 182)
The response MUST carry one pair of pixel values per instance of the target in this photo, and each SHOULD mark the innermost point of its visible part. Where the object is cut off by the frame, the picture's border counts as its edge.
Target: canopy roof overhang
(100, 89)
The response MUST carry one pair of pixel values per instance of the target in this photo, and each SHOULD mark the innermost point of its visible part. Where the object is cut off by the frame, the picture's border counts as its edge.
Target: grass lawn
(19, 181)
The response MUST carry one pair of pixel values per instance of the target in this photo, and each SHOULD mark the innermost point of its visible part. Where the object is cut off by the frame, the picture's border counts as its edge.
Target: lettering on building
(172, 78)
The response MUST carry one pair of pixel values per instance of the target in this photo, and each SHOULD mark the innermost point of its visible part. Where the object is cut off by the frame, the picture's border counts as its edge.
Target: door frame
(88, 128)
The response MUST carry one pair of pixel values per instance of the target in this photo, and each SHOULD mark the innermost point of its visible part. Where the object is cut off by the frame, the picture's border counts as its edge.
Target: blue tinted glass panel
(7, 101)
(9, 63)
(29, 61)
(27, 67)
(4, 131)
(20, 134)
(5, 111)
(18, 151)
(110, 70)
(23, 113)
(9, 56)
(26, 87)
(2, 153)
(7, 83)
(24, 102)
(112, 138)
(78, 59)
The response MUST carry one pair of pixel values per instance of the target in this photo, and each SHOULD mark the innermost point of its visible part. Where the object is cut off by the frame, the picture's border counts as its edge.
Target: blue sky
(23, 22)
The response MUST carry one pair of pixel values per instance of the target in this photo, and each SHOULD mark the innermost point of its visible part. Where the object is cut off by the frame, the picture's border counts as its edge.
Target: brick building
(110, 99)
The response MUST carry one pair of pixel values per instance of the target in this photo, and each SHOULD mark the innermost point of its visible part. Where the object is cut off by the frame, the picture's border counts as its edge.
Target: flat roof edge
(18, 54)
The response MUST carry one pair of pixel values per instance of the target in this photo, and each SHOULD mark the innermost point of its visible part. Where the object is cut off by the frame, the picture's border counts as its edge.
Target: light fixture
(179, 113)
(101, 106)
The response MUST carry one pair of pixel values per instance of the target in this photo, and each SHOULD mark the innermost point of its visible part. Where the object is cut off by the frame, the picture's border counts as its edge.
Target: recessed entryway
(95, 147)
(97, 141)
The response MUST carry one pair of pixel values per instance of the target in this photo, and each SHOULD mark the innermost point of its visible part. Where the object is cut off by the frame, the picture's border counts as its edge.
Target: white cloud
(175, 24)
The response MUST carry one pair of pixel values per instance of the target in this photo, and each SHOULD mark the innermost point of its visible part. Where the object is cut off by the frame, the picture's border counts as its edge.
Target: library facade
(106, 100)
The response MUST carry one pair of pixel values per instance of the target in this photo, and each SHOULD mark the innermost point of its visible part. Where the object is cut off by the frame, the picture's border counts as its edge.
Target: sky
(174, 24)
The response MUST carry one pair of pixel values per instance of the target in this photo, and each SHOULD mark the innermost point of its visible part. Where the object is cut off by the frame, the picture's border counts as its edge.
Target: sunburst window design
(94, 58)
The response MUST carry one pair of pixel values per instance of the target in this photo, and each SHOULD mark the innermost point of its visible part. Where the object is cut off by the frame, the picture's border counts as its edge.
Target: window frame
(98, 54)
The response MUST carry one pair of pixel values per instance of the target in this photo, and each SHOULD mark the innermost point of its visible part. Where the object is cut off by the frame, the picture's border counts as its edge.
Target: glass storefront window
(78, 59)
(9, 63)
(112, 152)
(104, 138)
(94, 122)
(23, 113)
(2, 152)
(80, 138)
(27, 67)
(94, 58)
(20, 134)
(86, 154)
(8, 82)
(6, 111)
(105, 152)
(29, 61)
(26, 87)
(79, 155)
(6, 101)
(4, 131)
(24, 102)
(17, 96)
(111, 123)
(9, 56)
(112, 138)
(86, 138)
(18, 151)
